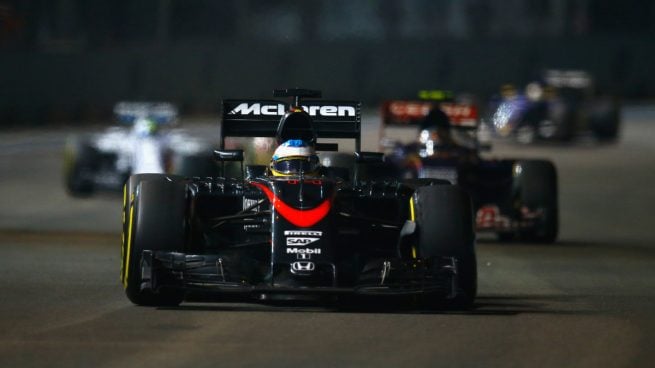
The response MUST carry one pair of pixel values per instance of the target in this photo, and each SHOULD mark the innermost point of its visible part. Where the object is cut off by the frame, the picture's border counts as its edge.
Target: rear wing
(412, 113)
(577, 79)
(260, 118)
(160, 112)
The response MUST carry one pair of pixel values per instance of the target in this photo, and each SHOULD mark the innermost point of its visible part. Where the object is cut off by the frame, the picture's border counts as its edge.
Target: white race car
(145, 142)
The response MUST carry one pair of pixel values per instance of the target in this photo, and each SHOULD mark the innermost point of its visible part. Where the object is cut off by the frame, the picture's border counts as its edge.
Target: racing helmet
(145, 127)
(294, 157)
(435, 127)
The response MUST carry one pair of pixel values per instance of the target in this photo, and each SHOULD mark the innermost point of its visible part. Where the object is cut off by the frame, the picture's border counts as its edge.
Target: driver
(436, 132)
(295, 157)
(437, 138)
(150, 147)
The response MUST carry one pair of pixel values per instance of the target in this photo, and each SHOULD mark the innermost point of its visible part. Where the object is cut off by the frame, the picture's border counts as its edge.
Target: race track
(587, 301)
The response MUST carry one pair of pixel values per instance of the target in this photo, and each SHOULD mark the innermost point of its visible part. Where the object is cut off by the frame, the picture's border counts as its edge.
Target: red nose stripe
(300, 218)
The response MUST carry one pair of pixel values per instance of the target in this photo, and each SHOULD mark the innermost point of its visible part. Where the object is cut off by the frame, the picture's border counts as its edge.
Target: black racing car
(261, 235)
(513, 198)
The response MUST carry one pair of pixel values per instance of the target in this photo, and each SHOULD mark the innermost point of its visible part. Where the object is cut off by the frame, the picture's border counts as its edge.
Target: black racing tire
(444, 218)
(564, 117)
(80, 160)
(535, 184)
(604, 120)
(154, 218)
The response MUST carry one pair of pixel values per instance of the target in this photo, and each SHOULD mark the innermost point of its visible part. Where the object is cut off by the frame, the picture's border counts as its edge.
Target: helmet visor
(296, 165)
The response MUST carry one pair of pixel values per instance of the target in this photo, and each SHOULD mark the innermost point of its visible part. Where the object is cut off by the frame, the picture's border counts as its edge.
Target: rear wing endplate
(260, 118)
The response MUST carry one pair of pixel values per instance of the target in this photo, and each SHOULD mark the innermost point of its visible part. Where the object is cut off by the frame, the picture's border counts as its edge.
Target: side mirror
(369, 157)
(224, 156)
(365, 162)
(327, 147)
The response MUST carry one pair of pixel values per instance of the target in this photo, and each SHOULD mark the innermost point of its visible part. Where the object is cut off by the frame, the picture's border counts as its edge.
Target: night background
(70, 61)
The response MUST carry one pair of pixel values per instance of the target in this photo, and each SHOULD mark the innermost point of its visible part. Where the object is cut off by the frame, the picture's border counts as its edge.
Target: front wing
(213, 273)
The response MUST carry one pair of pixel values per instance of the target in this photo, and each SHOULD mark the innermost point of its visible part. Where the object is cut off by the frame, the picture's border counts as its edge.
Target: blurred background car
(512, 198)
(562, 106)
(145, 142)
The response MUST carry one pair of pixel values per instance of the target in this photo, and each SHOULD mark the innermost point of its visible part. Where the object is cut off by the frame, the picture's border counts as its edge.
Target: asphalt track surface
(586, 301)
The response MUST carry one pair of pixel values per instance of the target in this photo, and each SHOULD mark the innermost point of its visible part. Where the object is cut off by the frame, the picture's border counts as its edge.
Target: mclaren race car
(563, 105)
(144, 143)
(512, 198)
(295, 228)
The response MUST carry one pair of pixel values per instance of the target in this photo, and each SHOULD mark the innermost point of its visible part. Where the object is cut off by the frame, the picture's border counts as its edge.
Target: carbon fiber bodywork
(262, 236)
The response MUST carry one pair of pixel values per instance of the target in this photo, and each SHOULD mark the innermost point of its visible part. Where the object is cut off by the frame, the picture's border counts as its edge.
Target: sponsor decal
(486, 216)
(300, 241)
(465, 115)
(303, 250)
(303, 266)
(304, 256)
(298, 217)
(489, 217)
(302, 233)
(258, 108)
(302, 237)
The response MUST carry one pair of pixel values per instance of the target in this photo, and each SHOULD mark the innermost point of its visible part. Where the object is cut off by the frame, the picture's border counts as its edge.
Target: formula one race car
(512, 198)
(145, 143)
(296, 228)
(560, 107)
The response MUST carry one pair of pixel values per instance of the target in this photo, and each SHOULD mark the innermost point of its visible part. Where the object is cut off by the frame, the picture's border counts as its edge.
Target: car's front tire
(154, 218)
(444, 221)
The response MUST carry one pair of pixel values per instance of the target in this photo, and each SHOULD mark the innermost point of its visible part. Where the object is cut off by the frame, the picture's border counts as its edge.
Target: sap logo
(303, 251)
(302, 233)
(301, 241)
(280, 109)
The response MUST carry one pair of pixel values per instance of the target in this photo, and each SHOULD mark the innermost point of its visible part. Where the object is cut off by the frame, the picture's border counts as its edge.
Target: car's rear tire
(445, 229)
(535, 184)
(79, 164)
(604, 120)
(154, 218)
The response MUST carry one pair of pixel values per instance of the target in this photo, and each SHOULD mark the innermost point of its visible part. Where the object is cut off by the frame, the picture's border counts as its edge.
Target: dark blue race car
(560, 107)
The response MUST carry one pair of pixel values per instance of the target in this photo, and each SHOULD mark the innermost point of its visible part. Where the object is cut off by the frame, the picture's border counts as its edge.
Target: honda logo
(303, 266)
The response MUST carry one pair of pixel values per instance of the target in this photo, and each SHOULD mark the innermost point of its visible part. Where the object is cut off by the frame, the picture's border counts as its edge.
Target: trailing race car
(295, 227)
(560, 107)
(145, 144)
(511, 197)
